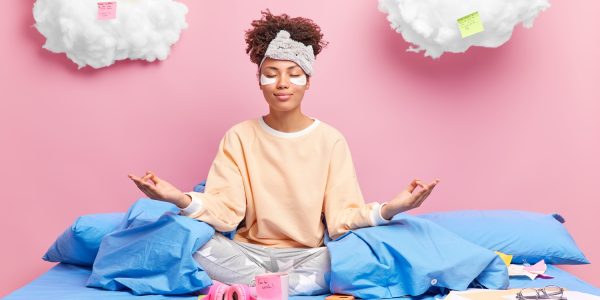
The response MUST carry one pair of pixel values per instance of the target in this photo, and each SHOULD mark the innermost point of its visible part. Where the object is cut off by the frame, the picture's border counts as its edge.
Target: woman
(281, 178)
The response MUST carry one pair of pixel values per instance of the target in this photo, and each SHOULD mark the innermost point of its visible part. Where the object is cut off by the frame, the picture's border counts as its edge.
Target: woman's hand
(407, 199)
(158, 189)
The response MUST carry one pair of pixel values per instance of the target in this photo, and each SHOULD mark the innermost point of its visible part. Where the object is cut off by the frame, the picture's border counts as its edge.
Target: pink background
(517, 127)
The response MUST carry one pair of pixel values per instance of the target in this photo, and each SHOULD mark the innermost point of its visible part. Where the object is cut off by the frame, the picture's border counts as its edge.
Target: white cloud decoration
(431, 25)
(142, 29)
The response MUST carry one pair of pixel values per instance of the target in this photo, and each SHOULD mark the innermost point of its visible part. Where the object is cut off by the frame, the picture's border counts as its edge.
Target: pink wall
(516, 127)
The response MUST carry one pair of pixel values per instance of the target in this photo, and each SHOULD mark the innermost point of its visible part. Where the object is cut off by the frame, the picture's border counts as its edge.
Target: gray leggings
(234, 262)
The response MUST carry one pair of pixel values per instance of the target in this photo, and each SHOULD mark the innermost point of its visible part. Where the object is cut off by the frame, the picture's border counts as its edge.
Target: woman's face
(283, 84)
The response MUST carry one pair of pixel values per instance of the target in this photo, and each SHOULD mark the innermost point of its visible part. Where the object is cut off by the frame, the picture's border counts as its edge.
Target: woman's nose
(283, 82)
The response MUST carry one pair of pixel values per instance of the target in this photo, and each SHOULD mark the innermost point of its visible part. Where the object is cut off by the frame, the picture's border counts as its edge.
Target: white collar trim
(282, 134)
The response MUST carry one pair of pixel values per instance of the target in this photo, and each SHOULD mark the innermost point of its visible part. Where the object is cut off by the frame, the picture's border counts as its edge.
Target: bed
(67, 282)
(447, 251)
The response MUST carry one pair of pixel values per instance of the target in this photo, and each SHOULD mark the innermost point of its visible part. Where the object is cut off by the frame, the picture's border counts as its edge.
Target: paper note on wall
(470, 25)
(107, 10)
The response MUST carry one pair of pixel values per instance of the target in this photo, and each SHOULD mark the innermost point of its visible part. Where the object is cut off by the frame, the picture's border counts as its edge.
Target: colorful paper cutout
(107, 10)
(470, 25)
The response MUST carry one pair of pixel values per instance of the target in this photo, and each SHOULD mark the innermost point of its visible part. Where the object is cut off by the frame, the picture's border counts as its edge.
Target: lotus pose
(279, 180)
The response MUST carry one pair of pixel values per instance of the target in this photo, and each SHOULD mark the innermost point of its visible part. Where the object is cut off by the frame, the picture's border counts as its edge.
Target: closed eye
(272, 76)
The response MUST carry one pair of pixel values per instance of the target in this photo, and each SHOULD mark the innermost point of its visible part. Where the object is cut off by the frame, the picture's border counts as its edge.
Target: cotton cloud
(431, 25)
(142, 29)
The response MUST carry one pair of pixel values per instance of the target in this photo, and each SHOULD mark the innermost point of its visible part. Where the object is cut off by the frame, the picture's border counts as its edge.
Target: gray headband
(282, 47)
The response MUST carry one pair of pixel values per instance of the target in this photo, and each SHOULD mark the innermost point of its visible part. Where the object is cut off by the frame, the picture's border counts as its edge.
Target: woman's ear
(307, 82)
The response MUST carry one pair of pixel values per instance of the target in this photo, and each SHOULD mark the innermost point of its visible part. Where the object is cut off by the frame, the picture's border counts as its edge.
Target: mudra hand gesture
(158, 189)
(408, 198)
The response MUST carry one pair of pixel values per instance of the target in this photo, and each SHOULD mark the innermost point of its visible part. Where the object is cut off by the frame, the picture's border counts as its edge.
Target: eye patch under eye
(299, 80)
(264, 80)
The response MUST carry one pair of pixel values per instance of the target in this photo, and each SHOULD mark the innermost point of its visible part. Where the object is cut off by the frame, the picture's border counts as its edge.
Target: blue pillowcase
(410, 256)
(79, 243)
(528, 236)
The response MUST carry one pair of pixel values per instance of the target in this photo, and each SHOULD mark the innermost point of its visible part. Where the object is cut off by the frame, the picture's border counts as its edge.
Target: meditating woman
(280, 179)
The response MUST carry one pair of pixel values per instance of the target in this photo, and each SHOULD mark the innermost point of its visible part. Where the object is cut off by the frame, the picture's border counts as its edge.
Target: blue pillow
(528, 236)
(79, 243)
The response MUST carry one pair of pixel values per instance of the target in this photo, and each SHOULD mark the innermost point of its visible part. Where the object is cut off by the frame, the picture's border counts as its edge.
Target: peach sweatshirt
(280, 183)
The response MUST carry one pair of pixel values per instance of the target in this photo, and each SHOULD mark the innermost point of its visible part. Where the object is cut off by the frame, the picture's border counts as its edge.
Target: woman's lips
(283, 97)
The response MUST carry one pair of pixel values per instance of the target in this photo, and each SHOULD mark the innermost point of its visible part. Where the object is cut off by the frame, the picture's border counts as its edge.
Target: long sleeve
(279, 184)
(343, 205)
(223, 203)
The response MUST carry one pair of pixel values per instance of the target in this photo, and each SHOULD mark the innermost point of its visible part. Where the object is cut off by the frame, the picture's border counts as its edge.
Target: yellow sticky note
(470, 25)
(506, 258)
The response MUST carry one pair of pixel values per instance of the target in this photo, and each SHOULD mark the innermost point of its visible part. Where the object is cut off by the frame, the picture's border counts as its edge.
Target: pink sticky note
(107, 10)
(272, 286)
(538, 268)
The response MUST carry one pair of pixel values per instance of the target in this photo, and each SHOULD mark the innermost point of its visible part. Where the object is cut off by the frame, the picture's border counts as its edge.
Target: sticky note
(538, 268)
(470, 25)
(107, 10)
(519, 270)
(272, 286)
(506, 258)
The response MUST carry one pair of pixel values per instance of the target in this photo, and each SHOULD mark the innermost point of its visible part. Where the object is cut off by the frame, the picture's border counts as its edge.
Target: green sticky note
(470, 25)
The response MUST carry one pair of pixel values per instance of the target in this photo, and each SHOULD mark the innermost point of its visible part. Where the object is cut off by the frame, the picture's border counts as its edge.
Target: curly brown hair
(264, 30)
